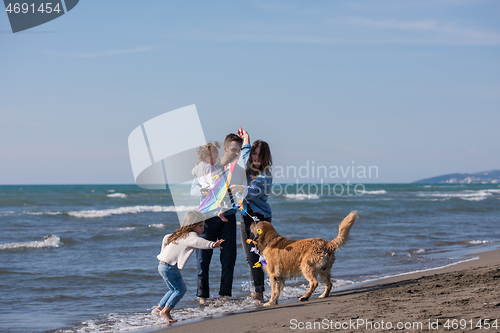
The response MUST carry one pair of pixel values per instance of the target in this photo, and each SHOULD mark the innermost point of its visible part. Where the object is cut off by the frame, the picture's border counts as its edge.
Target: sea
(82, 258)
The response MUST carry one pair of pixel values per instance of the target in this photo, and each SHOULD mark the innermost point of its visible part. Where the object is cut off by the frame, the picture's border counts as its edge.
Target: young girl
(258, 161)
(209, 165)
(176, 249)
(207, 169)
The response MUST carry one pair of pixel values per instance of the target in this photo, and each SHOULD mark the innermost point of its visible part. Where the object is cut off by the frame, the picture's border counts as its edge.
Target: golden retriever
(287, 258)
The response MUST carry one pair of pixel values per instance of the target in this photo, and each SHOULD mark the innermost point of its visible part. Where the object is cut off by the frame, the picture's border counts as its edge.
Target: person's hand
(221, 216)
(218, 243)
(246, 137)
(237, 188)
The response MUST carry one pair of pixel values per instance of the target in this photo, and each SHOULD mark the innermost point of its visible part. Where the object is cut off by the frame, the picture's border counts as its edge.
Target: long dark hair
(265, 157)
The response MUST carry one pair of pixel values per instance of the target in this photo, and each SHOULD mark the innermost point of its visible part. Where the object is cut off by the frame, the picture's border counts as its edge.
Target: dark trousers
(216, 229)
(256, 274)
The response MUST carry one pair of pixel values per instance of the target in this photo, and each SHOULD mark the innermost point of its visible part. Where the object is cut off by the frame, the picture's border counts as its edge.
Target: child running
(176, 249)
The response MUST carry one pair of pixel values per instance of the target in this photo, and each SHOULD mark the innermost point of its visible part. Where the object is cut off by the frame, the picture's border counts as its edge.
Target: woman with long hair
(258, 160)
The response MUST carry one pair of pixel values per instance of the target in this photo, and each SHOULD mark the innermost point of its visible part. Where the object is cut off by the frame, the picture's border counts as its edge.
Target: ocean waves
(95, 213)
(373, 192)
(468, 195)
(98, 261)
(301, 196)
(117, 322)
(314, 192)
(24, 212)
(100, 213)
(465, 242)
(48, 241)
(117, 195)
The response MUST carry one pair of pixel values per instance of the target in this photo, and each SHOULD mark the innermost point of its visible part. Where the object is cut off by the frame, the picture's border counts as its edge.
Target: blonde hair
(204, 151)
(192, 219)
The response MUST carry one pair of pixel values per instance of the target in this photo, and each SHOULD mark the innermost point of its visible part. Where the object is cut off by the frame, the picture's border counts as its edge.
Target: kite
(215, 197)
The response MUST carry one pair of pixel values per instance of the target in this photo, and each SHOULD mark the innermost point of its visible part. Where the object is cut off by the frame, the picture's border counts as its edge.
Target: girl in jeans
(258, 160)
(176, 249)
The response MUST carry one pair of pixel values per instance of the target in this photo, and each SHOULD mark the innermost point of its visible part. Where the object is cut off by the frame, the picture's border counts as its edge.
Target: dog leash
(262, 260)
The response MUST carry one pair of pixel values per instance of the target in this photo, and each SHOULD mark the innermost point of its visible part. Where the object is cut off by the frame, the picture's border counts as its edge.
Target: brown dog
(287, 258)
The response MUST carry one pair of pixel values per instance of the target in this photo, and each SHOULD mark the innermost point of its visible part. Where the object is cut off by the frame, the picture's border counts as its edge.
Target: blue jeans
(176, 286)
(216, 229)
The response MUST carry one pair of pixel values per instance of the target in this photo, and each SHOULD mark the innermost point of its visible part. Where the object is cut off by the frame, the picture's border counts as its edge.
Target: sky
(408, 88)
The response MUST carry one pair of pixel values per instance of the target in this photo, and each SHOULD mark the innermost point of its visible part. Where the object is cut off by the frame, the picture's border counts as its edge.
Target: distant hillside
(487, 177)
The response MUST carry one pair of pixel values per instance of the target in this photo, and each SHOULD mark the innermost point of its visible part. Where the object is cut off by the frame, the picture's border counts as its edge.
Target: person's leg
(178, 285)
(163, 274)
(204, 257)
(245, 234)
(165, 311)
(227, 254)
(178, 288)
(257, 273)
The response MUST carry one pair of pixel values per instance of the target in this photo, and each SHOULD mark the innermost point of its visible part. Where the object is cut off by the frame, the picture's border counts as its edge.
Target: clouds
(104, 53)
(113, 52)
(353, 31)
(465, 22)
(430, 31)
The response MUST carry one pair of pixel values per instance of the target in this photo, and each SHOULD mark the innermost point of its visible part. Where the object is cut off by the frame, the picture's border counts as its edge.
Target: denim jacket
(259, 189)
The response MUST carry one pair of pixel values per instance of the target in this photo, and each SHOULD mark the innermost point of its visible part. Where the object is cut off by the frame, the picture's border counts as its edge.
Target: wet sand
(456, 298)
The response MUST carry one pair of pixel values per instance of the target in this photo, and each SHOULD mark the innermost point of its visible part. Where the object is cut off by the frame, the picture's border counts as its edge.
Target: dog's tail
(344, 228)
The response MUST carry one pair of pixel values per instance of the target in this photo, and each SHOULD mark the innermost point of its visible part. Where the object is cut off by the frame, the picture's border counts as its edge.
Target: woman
(258, 160)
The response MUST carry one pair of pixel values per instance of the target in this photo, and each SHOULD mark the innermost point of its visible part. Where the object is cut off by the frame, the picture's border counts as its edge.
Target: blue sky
(411, 87)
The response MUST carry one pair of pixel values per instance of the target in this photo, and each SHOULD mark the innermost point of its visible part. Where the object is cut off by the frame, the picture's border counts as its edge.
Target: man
(220, 227)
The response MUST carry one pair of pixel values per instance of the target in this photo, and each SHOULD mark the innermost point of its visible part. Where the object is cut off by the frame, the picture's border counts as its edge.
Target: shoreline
(321, 314)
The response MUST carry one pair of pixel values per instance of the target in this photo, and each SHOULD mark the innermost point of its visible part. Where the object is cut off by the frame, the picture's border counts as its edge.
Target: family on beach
(217, 229)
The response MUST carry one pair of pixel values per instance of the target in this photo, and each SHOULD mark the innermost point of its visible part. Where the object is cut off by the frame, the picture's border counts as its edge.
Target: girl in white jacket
(176, 249)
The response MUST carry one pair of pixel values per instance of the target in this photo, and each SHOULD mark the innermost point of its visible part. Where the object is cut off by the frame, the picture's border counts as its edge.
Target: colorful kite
(215, 197)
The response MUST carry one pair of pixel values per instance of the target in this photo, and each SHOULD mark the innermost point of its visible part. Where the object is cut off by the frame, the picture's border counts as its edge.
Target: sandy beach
(457, 298)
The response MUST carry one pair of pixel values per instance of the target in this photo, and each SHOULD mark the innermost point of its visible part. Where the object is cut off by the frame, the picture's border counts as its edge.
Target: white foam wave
(157, 225)
(114, 322)
(479, 198)
(94, 214)
(42, 213)
(465, 195)
(117, 195)
(301, 196)
(48, 241)
(477, 242)
(124, 228)
(373, 192)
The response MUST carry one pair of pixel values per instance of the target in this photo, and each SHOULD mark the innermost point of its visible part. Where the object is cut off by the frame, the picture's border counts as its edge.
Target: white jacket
(205, 172)
(179, 253)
